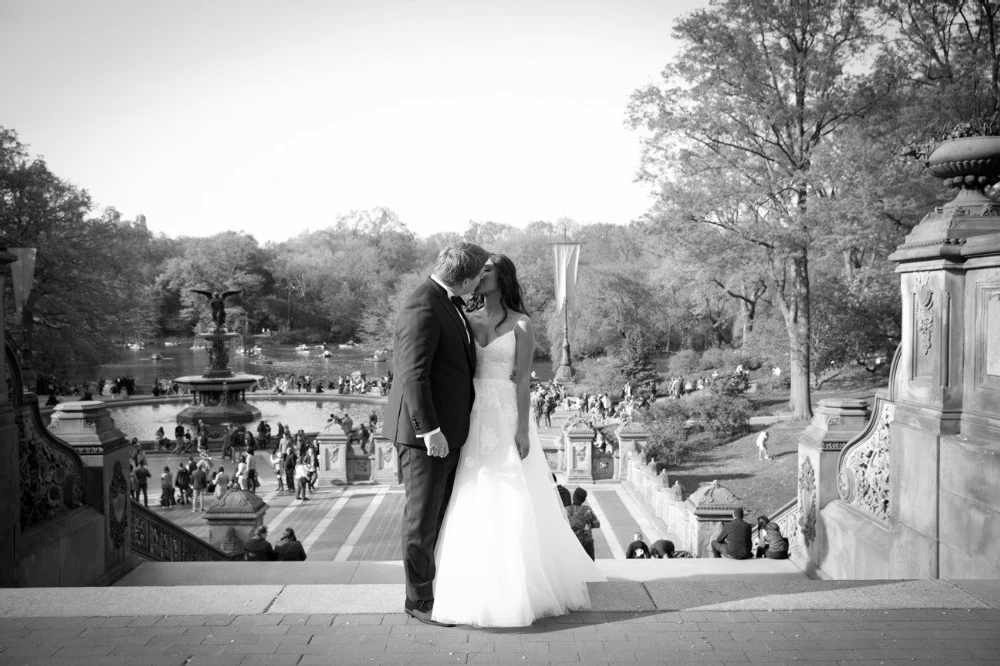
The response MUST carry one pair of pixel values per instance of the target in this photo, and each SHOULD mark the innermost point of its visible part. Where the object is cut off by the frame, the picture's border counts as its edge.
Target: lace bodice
(496, 360)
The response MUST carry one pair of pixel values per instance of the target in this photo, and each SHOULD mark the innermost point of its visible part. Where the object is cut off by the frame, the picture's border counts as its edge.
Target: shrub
(684, 362)
(597, 375)
(724, 416)
(731, 386)
(668, 432)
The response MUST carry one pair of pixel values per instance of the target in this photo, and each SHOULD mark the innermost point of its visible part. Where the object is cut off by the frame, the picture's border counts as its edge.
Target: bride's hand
(523, 444)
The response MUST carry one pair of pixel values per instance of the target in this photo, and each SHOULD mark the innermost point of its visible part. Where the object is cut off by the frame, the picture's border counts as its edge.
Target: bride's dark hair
(511, 295)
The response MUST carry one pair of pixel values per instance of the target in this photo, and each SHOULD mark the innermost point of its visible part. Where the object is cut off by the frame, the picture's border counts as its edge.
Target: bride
(506, 554)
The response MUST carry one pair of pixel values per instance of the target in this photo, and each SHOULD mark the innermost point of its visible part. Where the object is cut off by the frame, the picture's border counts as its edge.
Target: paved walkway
(650, 612)
(362, 522)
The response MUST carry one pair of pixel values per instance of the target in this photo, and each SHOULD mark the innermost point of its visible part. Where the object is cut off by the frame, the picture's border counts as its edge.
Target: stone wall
(693, 521)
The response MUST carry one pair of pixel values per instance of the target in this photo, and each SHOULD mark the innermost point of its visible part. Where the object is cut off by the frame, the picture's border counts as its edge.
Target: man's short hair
(458, 262)
(738, 513)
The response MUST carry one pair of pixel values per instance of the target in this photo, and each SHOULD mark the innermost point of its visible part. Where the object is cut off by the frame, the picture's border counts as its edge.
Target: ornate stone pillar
(579, 451)
(10, 483)
(835, 422)
(711, 506)
(948, 374)
(386, 464)
(333, 456)
(233, 518)
(90, 430)
(632, 439)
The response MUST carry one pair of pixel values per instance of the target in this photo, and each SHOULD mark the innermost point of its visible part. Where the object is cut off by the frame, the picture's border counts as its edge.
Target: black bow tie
(459, 303)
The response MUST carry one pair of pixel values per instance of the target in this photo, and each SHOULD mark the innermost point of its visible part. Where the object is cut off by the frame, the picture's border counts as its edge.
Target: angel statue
(218, 303)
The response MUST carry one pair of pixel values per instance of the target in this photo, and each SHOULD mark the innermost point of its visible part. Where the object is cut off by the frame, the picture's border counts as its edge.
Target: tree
(757, 88)
(634, 358)
(948, 56)
(230, 260)
(88, 293)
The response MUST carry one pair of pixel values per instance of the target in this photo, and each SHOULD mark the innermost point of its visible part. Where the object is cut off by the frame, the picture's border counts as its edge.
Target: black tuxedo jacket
(433, 363)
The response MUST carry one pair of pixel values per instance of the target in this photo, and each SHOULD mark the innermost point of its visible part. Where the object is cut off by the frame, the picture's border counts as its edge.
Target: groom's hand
(523, 444)
(437, 445)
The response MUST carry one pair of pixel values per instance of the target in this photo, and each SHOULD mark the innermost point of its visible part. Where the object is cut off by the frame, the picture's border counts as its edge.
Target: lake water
(182, 360)
(310, 415)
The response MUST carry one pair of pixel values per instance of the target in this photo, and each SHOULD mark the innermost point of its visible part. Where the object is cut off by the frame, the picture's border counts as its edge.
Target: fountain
(219, 394)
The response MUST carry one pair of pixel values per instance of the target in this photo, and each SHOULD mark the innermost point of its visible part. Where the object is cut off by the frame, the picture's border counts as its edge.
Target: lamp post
(567, 256)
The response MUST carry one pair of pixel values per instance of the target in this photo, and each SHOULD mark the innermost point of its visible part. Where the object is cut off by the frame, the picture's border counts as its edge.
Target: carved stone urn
(970, 165)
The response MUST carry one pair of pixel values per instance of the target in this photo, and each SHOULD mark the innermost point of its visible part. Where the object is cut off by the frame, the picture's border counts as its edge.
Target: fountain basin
(218, 400)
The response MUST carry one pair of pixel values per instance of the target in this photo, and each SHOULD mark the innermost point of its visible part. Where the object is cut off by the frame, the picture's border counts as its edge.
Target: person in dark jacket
(564, 495)
(582, 521)
(662, 548)
(735, 539)
(289, 548)
(637, 550)
(258, 548)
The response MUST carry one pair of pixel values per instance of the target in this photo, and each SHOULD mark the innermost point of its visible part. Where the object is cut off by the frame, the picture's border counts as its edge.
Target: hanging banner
(23, 274)
(567, 257)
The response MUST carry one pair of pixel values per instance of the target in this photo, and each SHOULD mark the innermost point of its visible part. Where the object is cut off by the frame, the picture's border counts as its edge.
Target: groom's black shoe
(421, 610)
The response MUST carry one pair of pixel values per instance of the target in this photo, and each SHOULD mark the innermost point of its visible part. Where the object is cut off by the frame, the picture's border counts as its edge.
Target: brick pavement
(817, 637)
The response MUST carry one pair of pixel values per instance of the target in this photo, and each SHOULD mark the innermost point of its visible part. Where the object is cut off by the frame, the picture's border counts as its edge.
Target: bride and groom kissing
(485, 539)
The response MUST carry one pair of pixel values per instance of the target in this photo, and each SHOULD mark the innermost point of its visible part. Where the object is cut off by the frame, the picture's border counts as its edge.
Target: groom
(427, 416)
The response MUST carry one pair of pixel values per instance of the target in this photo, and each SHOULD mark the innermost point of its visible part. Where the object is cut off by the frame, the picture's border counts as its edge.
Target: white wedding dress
(506, 554)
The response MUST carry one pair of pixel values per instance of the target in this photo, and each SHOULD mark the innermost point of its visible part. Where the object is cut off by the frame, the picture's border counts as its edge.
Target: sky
(274, 117)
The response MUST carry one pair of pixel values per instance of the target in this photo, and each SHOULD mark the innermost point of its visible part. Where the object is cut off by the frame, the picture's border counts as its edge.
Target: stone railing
(577, 453)
(51, 472)
(156, 538)
(787, 519)
(693, 521)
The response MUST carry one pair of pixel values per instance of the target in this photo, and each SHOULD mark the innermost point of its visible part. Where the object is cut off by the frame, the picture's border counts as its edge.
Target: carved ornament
(807, 501)
(863, 479)
(119, 505)
(924, 312)
(51, 479)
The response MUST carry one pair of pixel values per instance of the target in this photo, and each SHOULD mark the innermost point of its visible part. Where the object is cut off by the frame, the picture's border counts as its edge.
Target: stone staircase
(351, 588)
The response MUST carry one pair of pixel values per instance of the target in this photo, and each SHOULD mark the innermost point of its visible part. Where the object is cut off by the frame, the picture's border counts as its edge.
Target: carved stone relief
(993, 335)
(118, 501)
(925, 321)
(863, 479)
(387, 451)
(51, 480)
(807, 501)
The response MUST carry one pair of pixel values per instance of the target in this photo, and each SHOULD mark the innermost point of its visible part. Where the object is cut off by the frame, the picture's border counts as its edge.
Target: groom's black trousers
(428, 482)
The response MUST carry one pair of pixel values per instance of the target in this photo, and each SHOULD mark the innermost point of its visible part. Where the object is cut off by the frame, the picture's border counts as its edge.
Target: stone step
(391, 572)
(952, 600)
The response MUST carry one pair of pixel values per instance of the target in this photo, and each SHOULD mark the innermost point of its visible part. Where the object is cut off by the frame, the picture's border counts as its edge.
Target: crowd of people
(357, 383)
(678, 386)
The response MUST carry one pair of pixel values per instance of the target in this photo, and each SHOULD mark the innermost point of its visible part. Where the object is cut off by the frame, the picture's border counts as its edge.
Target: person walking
(762, 446)
(291, 460)
(166, 488)
(301, 479)
(221, 482)
(199, 483)
(583, 521)
(277, 463)
(142, 476)
(183, 483)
